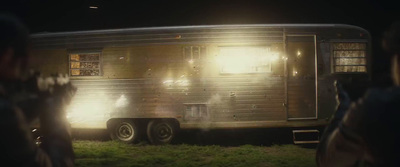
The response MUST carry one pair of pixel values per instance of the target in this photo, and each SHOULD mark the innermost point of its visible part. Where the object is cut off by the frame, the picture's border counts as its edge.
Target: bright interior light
(245, 59)
(274, 57)
(294, 72)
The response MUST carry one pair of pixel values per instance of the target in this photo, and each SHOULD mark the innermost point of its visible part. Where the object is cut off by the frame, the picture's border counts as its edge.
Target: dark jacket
(367, 133)
(18, 109)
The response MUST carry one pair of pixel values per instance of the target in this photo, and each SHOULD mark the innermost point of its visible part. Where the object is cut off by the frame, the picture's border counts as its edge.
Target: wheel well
(141, 121)
(173, 121)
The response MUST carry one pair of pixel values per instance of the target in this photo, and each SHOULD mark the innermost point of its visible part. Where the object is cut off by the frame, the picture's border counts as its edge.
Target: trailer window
(196, 112)
(246, 59)
(192, 53)
(85, 64)
(349, 57)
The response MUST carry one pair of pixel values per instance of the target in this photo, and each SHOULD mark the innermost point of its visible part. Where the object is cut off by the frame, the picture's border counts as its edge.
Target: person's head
(391, 44)
(14, 42)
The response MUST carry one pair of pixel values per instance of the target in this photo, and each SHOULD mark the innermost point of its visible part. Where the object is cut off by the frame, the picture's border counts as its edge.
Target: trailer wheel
(160, 132)
(125, 131)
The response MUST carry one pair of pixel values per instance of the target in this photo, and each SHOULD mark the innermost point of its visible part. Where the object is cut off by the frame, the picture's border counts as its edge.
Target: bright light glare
(89, 110)
(245, 59)
(121, 102)
(274, 57)
(182, 82)
(294, 72)
(169, 81)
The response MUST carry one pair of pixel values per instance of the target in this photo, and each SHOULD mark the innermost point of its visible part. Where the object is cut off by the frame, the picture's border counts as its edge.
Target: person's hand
(41, 92)
(58, 87)
(63, 88)
(57, 93)
(56, 130)
(343, 100)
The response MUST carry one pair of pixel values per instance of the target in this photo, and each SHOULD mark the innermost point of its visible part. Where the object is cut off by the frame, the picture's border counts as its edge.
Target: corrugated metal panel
(301, 98)
(149, 98)
(326, 97)
(146, 37)
(178, 35)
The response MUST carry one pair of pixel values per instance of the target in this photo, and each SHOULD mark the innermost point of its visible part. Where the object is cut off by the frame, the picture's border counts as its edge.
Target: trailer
(158, 80)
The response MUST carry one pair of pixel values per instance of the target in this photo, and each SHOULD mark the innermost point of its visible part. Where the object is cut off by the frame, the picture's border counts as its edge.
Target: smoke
(44, 84)
(47, 84)
(121, 102)
(215, 99)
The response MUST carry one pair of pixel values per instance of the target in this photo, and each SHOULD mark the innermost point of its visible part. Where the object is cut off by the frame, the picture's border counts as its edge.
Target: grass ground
(91, 153)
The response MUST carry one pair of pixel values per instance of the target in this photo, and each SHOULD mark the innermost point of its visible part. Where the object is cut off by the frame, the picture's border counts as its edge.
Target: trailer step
(309, 136)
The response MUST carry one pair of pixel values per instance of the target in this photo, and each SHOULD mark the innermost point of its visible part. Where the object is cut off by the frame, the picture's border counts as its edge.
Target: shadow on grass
(235, 137)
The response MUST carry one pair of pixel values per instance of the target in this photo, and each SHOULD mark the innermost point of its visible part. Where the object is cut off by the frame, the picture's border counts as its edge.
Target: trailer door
(301, 77)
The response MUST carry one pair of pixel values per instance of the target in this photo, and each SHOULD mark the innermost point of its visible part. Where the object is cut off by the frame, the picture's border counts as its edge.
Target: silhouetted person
(367, 132)
(25, 98)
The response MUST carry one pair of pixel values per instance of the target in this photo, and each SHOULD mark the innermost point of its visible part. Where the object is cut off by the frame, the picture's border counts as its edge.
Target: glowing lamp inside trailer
(248, 59)
(294, 72)
(298, 54)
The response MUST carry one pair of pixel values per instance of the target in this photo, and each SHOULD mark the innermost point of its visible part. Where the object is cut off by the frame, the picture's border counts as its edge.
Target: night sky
(60, 16)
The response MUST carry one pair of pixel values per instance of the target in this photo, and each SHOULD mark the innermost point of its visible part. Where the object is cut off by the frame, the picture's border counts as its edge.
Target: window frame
(202, 109)
(191, 52)
(85, 53)
(333, 58)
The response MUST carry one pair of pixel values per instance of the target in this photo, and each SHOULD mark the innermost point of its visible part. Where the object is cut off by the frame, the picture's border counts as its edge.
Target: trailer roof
(194, 27)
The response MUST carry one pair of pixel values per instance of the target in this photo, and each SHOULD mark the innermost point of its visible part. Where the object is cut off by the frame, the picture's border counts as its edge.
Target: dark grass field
(245, 147)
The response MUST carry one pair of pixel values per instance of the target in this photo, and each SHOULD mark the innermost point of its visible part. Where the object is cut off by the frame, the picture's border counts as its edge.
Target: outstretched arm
(56, 140)
(339, 145)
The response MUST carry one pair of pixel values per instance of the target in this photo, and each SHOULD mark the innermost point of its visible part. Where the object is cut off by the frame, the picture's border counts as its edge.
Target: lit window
(256, 59)
(85, 64)
(349, 57)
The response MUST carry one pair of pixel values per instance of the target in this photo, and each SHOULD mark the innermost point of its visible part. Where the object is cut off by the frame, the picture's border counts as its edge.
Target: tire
(124, 131)
(161, 132)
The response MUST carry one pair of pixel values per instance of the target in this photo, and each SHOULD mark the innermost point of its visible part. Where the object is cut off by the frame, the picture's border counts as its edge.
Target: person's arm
(18, 147)
(56, 141)
(335, 143)
(56, 147)
(345, 146)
